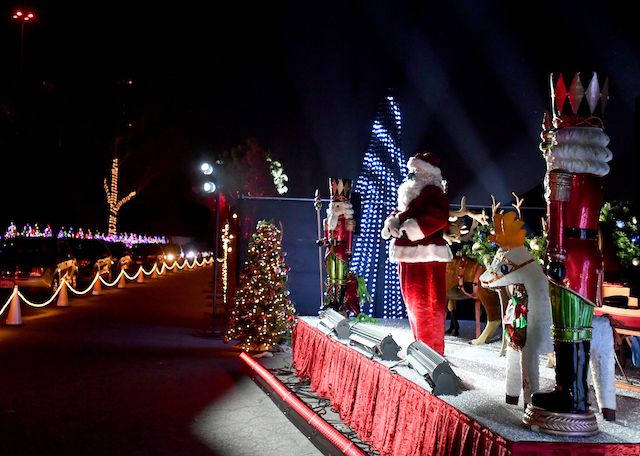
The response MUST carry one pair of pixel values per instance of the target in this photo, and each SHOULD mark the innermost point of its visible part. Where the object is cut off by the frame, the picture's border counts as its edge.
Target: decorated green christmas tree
(262, 312)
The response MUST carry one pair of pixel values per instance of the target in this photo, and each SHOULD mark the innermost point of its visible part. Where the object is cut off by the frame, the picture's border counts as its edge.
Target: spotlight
(334, 322)
(209, 187)
(373, 342)
(206, 169)
(434, 368)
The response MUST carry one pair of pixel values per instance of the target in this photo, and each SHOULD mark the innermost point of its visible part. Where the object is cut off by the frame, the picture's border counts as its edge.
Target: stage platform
(390, 406)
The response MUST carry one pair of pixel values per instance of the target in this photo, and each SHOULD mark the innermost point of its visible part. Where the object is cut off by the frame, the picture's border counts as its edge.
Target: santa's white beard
(411, 188)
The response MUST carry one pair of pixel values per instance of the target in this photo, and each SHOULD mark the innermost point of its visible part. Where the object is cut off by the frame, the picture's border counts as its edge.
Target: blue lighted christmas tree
(383, 170)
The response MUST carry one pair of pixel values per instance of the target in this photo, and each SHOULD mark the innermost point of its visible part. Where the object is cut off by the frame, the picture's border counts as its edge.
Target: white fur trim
(580, 150)
(335, 210)
(412, 229)
(410, 189)
(390, 228)
(419, 253)
(422, 167)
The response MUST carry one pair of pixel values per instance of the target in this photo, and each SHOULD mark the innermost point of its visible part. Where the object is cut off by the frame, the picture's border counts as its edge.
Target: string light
(112, 197)
(262, 310)
(279, 177)
(383, 170)
(227, 239)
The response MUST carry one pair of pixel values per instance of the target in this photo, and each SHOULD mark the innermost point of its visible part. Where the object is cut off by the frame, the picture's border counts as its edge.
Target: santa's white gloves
(391, 228)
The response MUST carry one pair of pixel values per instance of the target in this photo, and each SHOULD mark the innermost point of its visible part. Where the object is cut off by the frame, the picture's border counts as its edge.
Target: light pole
(23, 16)
(210, 187)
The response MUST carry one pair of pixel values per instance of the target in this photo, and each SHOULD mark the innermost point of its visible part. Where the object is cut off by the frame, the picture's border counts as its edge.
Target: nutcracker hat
(340, 189)
(579, 99)
(427, 162)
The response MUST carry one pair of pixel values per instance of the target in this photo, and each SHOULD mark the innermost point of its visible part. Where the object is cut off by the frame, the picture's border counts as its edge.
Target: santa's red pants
(423, 287)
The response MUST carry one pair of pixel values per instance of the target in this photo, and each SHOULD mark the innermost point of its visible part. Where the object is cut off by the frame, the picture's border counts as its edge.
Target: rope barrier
(42, 304)
(89, 288)
(97, 277)
(133, 277)
(115, 282)
(6, 304)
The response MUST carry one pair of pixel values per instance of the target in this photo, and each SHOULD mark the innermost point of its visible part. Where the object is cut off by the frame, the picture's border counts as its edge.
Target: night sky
(304, 79)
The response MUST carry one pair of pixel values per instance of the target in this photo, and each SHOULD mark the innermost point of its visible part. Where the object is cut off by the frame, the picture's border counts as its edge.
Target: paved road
(124, 374)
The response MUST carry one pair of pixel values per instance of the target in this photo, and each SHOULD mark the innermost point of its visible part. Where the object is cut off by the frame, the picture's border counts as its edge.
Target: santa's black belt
(581, 233)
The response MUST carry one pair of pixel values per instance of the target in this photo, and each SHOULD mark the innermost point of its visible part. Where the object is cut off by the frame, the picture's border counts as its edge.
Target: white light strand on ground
(93, 282)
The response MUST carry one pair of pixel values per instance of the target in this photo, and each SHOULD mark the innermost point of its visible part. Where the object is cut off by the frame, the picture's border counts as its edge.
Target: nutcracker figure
(575, 149)
(342, 293)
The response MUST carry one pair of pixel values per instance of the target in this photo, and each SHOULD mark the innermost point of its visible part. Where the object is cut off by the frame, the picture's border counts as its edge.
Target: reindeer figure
(462, 277)
(515, 268)
(528, 313)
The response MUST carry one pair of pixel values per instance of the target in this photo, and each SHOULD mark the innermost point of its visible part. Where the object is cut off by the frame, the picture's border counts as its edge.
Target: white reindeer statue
(529, 309)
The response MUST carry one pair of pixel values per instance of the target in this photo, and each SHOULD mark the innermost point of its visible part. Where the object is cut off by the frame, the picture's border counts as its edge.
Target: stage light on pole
(434, 368)
(373, 342)
(332, 322)
(210, 188)
(206, 169)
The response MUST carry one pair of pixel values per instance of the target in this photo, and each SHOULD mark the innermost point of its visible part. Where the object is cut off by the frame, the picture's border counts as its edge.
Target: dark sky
(304, 78)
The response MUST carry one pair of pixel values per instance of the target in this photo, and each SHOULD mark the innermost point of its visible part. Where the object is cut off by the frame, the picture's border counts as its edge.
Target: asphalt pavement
(126, 373)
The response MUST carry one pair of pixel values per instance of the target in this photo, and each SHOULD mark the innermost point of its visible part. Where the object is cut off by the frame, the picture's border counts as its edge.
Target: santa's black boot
(565, 409)
(570, 394)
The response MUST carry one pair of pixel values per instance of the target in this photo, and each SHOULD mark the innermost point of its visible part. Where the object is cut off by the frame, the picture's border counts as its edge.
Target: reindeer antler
(507, 229)
(479, 218)
(494, 206)
(517, 205)
(458, 232)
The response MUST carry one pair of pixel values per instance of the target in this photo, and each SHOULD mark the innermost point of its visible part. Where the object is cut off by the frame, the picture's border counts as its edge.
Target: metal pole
(318, 206)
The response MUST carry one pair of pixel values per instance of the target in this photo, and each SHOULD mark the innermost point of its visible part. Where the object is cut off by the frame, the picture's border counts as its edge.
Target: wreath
(617, 218)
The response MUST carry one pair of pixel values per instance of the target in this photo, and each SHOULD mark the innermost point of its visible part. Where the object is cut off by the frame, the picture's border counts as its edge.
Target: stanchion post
(214, 318)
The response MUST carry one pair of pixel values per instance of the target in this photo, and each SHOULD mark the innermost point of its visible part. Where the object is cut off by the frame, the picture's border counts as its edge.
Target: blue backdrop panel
(298, 219)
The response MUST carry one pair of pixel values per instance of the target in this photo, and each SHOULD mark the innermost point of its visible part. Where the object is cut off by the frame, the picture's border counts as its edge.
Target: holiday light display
(126, 238)
(263, 312)
(227, 240)
(11, 231)
(112, 197)
(383, 170)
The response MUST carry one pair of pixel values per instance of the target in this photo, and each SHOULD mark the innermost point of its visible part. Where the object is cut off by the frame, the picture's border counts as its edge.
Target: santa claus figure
(417, 245)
